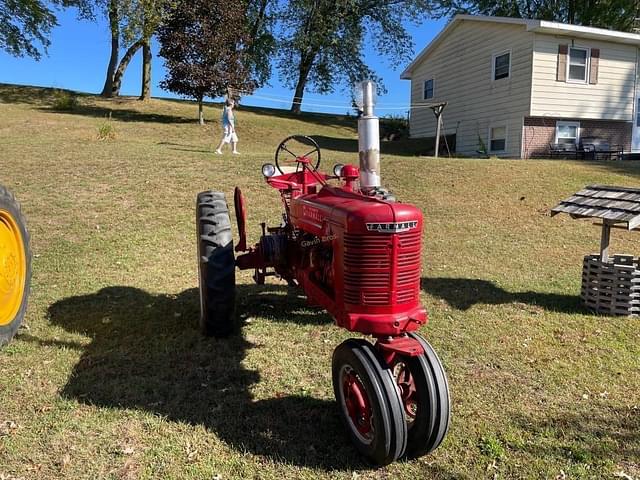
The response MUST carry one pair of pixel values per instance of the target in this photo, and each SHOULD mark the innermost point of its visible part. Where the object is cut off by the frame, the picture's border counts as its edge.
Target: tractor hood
(333, 207)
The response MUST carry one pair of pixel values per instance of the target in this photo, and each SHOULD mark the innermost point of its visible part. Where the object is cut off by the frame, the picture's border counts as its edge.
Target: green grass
(111, 379)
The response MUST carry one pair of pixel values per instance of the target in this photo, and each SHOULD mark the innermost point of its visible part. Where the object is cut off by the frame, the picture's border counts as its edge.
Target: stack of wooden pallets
(612, 287)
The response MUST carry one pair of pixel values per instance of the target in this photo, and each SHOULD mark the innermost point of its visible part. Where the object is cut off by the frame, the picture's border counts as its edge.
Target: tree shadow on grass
(146, 353)
(121, 114)
(600, 434)
(464, 293)
(26, 94)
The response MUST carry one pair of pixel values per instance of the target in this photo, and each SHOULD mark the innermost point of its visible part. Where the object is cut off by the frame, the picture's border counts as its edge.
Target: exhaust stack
(368, 137)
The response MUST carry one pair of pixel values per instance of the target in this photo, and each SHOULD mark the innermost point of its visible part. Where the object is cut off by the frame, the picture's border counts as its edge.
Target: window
(502, 65)
(498, 139)
(577, 65)
(568, 132)
(428, 89)
(638, 112)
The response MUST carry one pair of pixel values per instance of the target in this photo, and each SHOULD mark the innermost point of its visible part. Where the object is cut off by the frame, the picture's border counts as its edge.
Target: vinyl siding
(462, 68)
(610, 99)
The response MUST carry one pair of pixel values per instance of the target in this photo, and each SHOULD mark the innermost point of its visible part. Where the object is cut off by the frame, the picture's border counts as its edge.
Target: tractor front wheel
(423, 386)
(15, 266)
(216, 265)
(370, 405)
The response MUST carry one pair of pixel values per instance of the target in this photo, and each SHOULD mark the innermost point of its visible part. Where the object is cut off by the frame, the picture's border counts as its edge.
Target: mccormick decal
(395, 227)
(312, 213)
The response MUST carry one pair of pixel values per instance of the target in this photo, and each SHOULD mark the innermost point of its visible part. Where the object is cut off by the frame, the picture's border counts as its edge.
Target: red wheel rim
(356, 404)
(408, 393)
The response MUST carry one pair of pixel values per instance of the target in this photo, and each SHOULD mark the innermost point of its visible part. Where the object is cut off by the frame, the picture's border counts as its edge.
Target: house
(513, 86)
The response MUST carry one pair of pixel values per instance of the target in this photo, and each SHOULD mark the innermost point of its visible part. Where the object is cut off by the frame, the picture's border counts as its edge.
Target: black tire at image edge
(9, 204)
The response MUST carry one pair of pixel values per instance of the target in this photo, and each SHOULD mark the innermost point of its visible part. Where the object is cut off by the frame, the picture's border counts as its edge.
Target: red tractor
(355, 251)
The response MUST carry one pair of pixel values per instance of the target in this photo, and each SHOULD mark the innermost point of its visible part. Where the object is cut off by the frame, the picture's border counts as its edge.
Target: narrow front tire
(369, 402)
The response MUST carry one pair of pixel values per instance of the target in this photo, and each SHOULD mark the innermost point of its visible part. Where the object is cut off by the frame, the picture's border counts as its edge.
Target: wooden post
(437, 111)
(438, 134)
(604, 241)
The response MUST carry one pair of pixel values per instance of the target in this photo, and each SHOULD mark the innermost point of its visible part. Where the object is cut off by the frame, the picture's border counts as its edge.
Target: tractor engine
(361, 259)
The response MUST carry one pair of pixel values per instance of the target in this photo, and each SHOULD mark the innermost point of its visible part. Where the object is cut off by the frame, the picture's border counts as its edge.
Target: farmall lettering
(395, 227)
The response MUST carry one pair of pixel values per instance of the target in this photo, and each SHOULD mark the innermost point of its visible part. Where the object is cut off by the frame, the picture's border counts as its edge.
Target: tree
(261, 18)
(615, 14)
(132, 23)
(204, 44)
(25, 25)
(114, 28)
(323, 41)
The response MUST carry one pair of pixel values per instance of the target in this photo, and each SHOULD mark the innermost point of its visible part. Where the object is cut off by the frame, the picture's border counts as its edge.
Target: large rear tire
(15, 266)
(216, 265)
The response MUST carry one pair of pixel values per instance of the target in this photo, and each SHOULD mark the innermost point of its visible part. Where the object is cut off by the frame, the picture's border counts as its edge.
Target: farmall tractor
(355, 251)
(15, 266)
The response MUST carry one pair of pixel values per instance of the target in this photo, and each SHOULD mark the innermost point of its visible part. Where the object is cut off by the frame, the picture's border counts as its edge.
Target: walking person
(229, 126)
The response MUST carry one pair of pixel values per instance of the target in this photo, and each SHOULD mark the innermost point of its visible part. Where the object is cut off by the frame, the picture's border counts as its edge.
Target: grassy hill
(110, 378)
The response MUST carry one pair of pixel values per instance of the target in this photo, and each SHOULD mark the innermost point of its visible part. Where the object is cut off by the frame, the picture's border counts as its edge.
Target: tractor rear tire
(15, 266)
(216, 265)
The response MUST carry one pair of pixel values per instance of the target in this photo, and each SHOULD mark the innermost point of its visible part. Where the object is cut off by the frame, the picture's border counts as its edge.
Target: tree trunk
(305, 68)
(200, 112)
(571, 14)
(124, 63)
(145, 94)
(107, 90)
(257, 24)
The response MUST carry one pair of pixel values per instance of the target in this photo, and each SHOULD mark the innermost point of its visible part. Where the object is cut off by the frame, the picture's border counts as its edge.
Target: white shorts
(229, 135)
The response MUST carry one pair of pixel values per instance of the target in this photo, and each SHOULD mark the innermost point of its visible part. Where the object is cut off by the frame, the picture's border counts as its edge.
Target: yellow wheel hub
(13, 268)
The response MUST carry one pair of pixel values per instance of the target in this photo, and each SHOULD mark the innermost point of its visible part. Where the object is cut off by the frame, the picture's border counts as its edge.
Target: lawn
(110, 378)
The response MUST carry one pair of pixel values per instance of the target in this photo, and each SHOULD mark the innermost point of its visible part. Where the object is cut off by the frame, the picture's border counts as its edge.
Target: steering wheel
(294, 147)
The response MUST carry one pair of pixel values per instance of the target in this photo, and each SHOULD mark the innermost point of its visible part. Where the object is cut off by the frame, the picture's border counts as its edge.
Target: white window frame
(424, 84)
(586, 66)
(561, 123)
(493, 65)
(506, 136)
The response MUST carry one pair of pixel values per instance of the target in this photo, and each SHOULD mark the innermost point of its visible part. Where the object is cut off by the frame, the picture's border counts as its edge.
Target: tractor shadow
(464, 293)
(146, 353)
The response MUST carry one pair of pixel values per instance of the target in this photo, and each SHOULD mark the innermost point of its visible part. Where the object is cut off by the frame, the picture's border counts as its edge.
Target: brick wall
(539, 132)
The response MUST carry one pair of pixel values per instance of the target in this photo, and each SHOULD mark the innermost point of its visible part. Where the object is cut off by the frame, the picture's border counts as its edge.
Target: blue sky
(79, 54)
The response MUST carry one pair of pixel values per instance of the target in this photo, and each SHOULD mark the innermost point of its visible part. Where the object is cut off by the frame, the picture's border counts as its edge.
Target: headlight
(268, 170)
(337, 169)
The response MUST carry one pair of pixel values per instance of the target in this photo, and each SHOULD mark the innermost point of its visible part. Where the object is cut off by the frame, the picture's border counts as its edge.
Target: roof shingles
(614, 204)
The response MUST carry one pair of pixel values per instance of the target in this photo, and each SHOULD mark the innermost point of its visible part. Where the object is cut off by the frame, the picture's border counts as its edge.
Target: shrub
(64, 100)
(106, 129)
(394, 127)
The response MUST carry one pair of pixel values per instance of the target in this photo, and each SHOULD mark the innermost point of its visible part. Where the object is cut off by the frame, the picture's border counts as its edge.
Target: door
(635, 133)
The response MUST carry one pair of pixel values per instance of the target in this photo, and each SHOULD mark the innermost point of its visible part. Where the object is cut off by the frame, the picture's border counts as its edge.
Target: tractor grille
(368, 269)
(408, 262)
